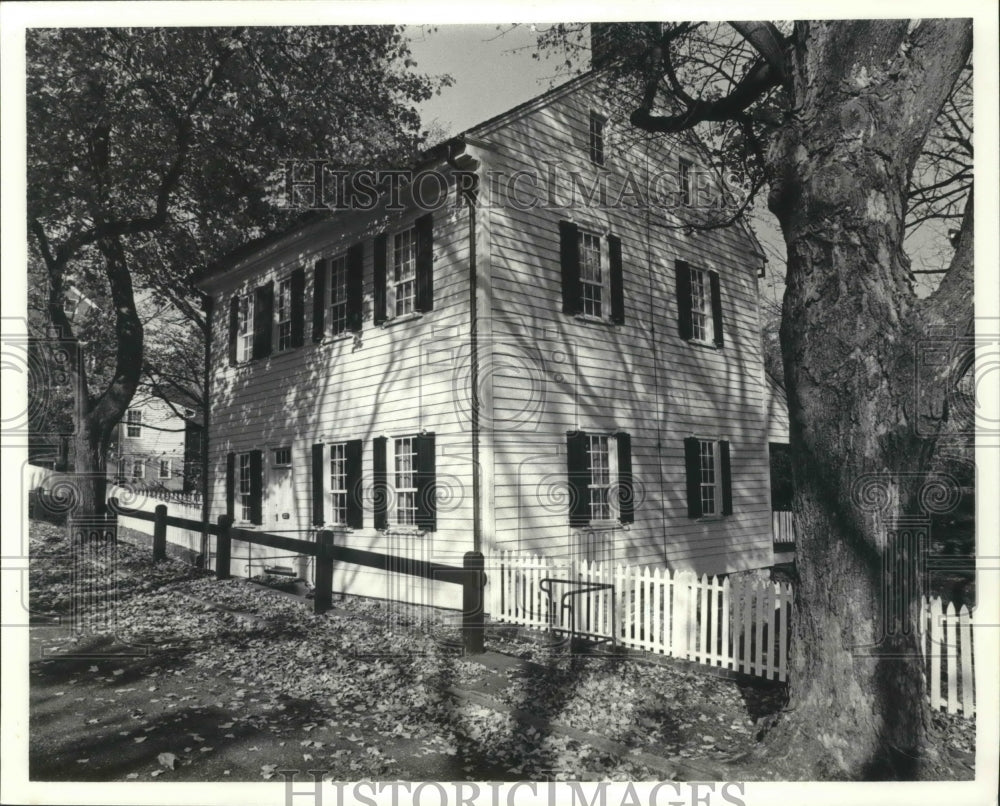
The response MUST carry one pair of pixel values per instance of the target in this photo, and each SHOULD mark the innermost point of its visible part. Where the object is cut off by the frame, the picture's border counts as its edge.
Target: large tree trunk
(840, 174)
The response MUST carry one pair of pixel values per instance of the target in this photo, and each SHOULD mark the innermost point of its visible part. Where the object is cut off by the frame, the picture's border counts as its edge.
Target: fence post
(323, 595)
(223, 547)
(160, 533)
(473, 614)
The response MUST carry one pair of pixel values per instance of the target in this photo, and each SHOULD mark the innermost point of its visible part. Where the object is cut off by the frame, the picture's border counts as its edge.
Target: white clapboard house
(530, 366)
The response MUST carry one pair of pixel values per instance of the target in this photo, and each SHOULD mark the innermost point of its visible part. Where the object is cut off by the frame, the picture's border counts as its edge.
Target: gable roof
(447, 147)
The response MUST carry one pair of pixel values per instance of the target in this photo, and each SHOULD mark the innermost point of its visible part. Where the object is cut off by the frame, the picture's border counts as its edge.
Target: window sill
(597, 320)
(705, 345)
(405, 530)
(406, 317)
(347, 335)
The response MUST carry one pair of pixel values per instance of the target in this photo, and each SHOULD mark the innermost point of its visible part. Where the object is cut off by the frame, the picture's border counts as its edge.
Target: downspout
(207, 304)
(456, 147)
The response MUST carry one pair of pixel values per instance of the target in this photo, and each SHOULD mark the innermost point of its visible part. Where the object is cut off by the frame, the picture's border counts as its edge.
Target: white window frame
(685, 170)
(244, 328)
(133, 424)
(702, 316)
(138, 469)
(277, 460)
(404, 516)
(603, 285)
(608, 481)
(167, 464)
(710, 477)
(393, 284)
(243, 486)
(336, 483)
(593, 135)
(283, 315)
(337, 295)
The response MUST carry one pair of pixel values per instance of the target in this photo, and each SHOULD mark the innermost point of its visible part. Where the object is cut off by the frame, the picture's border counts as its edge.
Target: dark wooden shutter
(381, 245)
(684, 300)
(355, 491)
(319, 299)
(355, 276)
(426, 516)
(626, 491)
(298, 307)
(425, 263)
(692, 466)
(263, 318)
(231, 484)
(713, 278)
(617, 280)
(234, 327)
(727, 478)
(578, 475)
(319, 484)
(569, 260)
(380, 491)
(256, 487)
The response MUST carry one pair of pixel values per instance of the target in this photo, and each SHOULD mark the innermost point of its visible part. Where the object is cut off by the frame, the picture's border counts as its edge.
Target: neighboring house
(152, 445)
(573, 380)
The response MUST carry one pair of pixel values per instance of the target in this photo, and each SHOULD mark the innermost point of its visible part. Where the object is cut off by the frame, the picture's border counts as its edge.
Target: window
(684, 182)
(600, 478)
(244, 328)
(283, 314)
(592, 274)
(709, 482)
(338, 483)
(404, 271)
(338, 295)
(699, 305)
(599, 467)
(405, 483)
(597, 138)
(133, 423)
(164, 469)
(337, 491)
(245, 488)
(122, 470)
(138, 469)
(404, 472)
(283, 457)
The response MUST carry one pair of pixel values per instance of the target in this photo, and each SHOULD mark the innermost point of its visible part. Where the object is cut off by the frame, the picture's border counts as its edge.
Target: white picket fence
(947, 644)
(741, 625)
(731, 623)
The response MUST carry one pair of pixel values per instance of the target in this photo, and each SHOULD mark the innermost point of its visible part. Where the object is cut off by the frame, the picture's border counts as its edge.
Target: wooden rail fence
(470, 576)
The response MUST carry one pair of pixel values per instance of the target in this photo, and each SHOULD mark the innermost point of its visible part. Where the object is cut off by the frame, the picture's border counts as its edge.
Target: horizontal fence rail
(470, 576)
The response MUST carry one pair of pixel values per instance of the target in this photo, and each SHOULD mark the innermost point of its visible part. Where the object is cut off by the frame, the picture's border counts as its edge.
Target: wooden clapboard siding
(541, 373)
(640, 377)
(392, 380)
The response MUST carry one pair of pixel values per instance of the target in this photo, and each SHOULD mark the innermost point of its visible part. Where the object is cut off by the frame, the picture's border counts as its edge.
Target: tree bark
(840, 173)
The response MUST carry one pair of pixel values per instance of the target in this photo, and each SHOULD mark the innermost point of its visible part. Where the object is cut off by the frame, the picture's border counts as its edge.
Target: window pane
(338, 294)
(244, 486)
(283, 306)
(708, 487)
(701, 306)
(600, 478)
(591, 275)
(405, 485)
(404, 268)
(338, 482)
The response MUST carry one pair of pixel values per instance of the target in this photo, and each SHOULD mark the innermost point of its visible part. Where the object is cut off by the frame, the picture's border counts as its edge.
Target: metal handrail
(567, 603)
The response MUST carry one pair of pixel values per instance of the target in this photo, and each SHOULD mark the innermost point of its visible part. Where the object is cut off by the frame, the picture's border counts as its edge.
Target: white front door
(280, 499)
